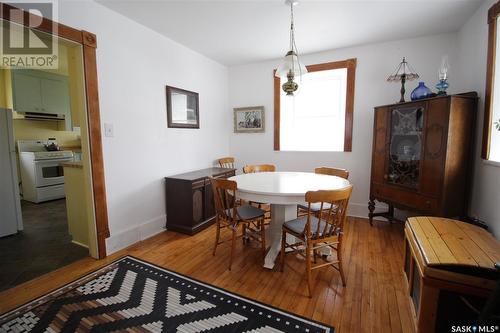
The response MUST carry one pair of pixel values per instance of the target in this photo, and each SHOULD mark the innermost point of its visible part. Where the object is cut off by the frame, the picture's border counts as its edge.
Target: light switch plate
(108, 130)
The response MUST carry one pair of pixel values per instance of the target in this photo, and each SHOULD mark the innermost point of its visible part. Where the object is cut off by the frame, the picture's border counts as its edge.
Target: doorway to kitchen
(51, 173)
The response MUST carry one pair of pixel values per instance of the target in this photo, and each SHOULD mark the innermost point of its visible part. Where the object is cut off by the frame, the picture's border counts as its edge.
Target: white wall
(472, 47)
(251, 85)
(134, 65)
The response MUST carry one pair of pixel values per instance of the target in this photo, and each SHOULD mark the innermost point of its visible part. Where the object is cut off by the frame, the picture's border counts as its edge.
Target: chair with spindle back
(302, 209)
(319, 230)
(261, 168)
(230, 215)
(226, 162)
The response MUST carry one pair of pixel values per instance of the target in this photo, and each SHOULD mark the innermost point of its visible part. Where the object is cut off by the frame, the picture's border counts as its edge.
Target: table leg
(279, 214)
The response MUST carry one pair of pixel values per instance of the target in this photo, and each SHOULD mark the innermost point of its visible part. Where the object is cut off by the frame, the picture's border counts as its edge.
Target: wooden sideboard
(189, 199)
(422, 156)
(447, 261)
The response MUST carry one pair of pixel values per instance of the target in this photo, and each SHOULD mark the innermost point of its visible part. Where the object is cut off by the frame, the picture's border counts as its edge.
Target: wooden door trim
(89, 45)
(350, 64)
(493, 13)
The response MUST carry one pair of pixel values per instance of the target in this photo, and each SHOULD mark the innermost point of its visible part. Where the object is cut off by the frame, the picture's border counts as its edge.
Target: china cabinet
(421, 158)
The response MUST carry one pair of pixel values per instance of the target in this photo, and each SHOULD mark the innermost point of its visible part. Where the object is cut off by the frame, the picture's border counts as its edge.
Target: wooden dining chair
(316, 231)
(226, 162)
(259, 168)
(343, 173)
(229, 215)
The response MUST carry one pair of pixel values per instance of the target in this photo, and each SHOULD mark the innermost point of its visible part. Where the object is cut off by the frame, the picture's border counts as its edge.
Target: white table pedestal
(279, 214)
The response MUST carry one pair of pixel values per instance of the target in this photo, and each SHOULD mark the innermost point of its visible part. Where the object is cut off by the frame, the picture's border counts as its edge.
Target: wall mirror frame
(88, 41)
(182, 108)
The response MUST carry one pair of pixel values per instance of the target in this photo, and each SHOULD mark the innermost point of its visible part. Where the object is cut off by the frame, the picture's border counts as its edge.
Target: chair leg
(233, 245)
(244, 238)
(282, 255)
(263, 237)
(217, 235)
(308, 268)
(339, 258)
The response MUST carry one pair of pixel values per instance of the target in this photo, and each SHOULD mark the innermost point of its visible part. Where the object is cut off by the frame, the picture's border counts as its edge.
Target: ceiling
(235, 32)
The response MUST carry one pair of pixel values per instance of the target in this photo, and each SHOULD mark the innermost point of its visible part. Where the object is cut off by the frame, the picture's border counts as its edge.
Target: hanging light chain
(291, 27)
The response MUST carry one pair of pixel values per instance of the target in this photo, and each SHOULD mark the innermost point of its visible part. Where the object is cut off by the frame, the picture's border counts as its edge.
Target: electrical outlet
(108, 130)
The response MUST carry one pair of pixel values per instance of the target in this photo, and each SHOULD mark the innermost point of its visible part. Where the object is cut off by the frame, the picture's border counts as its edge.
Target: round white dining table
(284, 191)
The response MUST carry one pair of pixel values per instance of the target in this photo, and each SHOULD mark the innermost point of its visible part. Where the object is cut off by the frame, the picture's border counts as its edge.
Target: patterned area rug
(135, 296)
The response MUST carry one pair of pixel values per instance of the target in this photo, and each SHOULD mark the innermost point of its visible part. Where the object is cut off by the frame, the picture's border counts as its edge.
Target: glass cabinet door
(406, 136)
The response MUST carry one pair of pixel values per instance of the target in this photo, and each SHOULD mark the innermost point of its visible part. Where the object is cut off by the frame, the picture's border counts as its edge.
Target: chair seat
(316, 207)
(297, 226)
(247, 212)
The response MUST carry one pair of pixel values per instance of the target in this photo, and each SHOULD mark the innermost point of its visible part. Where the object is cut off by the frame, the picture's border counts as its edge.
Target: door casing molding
(88, 41)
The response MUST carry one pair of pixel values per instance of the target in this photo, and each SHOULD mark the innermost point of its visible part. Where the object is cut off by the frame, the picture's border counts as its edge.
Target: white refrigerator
(10, 202)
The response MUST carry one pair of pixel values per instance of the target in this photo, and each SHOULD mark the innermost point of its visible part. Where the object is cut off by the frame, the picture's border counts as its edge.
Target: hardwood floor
(374, 299)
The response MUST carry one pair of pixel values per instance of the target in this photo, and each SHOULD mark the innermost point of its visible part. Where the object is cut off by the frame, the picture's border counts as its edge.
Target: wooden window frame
(88, 41)
(350, 64)
(493, 14)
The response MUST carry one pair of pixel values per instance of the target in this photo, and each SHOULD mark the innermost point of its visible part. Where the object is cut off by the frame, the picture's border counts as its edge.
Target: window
(319, 117)
(491, 125)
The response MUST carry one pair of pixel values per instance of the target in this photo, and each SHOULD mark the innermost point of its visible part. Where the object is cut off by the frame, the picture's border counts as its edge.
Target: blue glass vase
(421, 91)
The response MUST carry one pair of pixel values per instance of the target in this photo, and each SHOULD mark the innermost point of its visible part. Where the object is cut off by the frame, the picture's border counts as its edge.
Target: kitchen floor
(43, 246)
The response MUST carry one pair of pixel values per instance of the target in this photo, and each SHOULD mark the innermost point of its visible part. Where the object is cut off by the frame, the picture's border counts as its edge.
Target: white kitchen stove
(42, 174)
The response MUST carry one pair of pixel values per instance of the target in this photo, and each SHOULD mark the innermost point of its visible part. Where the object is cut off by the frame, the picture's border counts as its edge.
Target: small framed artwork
(249, 120)
(182, 108)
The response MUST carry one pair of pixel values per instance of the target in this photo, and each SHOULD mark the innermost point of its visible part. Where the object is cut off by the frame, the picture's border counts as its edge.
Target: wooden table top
(449, 242)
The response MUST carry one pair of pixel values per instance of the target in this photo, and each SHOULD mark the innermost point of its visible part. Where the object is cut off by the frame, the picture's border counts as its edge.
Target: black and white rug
(135, 296)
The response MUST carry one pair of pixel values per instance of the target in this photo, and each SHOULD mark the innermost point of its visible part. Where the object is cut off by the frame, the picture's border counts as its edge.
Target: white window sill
(493, 163)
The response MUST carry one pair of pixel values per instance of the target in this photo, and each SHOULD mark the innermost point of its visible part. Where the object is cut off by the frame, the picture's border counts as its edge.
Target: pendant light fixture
(291, 68)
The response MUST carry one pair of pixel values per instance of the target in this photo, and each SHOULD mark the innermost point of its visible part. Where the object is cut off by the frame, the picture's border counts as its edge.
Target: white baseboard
(122, 239)
(79, 244)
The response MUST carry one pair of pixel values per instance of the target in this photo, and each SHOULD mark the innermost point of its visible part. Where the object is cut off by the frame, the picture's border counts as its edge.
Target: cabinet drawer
(405, 198)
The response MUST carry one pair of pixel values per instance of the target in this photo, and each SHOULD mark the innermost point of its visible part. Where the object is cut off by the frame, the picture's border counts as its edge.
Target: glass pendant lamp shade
(291, 68)
(291, 64)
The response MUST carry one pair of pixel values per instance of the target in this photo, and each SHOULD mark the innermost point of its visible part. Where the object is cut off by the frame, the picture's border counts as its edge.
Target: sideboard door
(198, 202)
(209, 209)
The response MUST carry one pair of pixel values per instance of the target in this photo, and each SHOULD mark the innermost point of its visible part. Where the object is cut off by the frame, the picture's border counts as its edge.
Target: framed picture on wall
(249, 119)
(182, 108)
